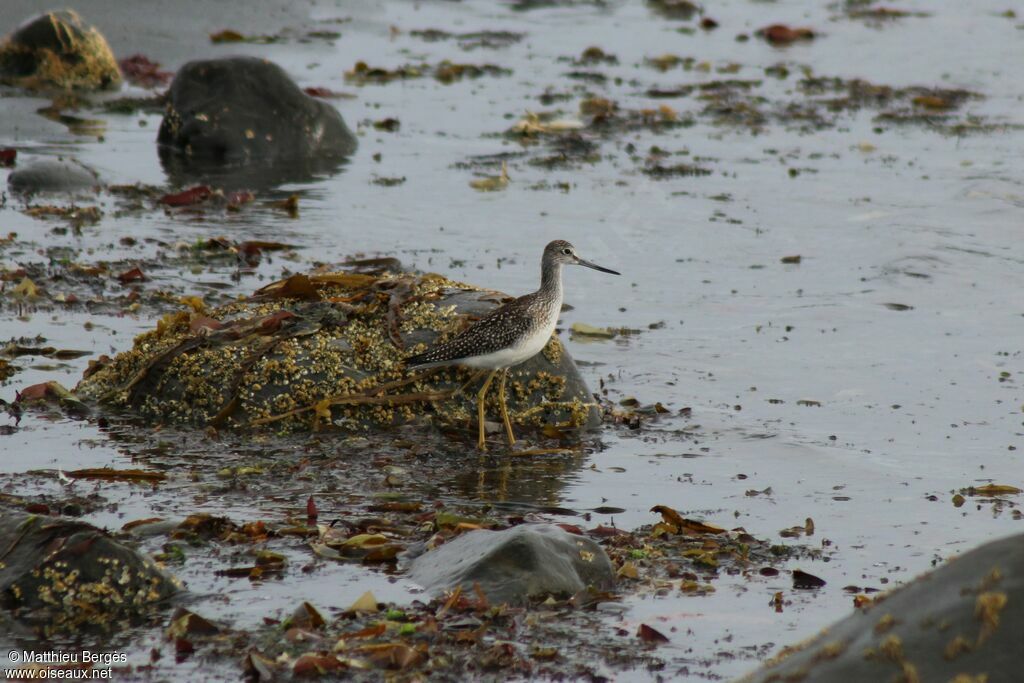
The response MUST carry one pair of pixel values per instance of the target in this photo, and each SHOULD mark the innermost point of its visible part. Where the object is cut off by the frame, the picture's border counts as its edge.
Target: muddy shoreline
(815, 345)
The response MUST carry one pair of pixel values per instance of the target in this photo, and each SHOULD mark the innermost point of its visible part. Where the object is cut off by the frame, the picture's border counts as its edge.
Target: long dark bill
(588, 264)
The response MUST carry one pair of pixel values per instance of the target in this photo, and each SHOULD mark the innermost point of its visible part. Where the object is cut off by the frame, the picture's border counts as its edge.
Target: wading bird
(510, 334)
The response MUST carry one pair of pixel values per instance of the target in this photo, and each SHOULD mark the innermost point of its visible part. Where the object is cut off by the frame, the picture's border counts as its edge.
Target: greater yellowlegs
(510, 334)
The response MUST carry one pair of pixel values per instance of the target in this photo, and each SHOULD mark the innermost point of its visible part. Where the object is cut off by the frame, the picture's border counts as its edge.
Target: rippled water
(898, 405)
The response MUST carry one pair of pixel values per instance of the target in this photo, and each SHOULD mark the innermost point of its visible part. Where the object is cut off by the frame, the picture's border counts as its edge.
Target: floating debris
(445, 72)
(780, 34)
(471, 40)
(543, 124)
(140, 70)
(662, 172)
(492, 183)
(585, 330)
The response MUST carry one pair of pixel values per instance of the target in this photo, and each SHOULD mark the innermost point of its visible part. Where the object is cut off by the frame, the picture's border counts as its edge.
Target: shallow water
(910, 403)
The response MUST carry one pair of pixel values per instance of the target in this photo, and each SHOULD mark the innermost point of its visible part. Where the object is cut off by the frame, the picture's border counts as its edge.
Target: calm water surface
(897, 405)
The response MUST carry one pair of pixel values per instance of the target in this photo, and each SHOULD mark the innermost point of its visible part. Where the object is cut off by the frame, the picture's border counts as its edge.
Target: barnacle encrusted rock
(961, 622)
(58, 50)
(327, 349)
(66, 574)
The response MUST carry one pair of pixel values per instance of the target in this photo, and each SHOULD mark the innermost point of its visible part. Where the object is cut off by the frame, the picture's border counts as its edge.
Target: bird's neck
(551, 280)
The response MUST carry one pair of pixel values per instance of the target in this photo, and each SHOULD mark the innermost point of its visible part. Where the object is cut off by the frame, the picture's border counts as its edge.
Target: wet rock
(69, 574)
(227, 115)
(53, 175)
(58, 49)
(961, 622)
(328, 349)
(527, 561)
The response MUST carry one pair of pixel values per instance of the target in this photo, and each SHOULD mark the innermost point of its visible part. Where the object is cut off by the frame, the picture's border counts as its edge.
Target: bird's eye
(567, 251)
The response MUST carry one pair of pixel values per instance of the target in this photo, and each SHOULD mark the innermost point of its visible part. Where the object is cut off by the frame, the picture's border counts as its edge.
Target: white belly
(515, 355)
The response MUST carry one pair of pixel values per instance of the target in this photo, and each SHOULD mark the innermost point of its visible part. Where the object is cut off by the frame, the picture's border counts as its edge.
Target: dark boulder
(53, 175)
(514, 565)
(961, 622)
(67, 574)
(58, 50)
(243, 117)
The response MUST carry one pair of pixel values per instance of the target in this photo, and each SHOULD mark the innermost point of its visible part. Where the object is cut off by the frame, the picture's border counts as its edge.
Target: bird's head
(564, 253)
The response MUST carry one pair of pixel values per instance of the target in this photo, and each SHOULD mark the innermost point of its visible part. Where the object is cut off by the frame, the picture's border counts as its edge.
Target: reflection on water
(264, 176)
(512, 480)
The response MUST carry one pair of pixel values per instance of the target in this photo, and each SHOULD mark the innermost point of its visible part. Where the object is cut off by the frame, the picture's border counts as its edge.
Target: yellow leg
(504, 409)
(481, 442)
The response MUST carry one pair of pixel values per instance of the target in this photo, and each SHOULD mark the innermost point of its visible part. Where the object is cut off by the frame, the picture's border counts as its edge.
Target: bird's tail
(422, 361)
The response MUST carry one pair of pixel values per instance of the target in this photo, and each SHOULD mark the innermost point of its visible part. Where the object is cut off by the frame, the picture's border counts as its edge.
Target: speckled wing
(500, 329)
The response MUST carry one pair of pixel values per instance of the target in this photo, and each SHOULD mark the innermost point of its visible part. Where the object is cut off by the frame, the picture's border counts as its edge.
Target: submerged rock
(513, 565)
(240, 112)
(328, 349)
(69, 574)
(961, 622)
(53, 175)
(58, 49)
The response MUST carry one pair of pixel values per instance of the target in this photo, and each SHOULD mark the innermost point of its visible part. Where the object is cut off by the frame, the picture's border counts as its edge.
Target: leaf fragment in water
(112, 474)
(585, 330)
(803, 580)
(990, 490)
(650, 635)
(492, 183)
(364, 603)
